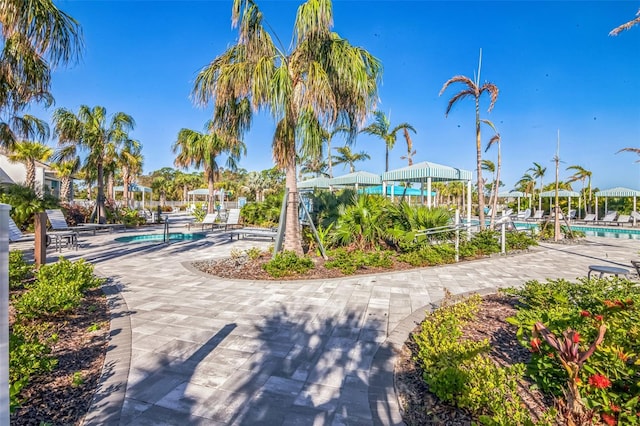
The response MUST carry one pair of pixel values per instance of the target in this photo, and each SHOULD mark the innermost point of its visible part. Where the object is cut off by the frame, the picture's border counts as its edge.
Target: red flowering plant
(593, 329)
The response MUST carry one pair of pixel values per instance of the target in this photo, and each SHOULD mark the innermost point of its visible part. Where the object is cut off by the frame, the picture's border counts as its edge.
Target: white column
(4, 313)
(596, 212)
(468, 201)
(429, 192)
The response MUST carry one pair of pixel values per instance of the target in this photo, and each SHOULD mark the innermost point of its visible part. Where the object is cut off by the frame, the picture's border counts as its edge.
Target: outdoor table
(603, 269)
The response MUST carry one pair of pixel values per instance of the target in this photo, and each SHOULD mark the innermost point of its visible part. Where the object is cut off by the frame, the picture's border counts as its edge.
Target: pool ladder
(165, 233)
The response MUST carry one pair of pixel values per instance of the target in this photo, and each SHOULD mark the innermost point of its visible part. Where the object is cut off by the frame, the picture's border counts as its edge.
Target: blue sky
(554, 63)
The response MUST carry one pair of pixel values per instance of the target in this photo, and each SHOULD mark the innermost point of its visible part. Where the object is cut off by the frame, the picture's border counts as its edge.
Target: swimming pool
(596, 231)
(174, 236)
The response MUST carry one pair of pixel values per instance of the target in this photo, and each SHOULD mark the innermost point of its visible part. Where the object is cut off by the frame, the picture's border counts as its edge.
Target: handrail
(165, 233)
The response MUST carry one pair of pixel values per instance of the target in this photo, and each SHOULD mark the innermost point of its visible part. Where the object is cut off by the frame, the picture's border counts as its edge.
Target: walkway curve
(186, 348)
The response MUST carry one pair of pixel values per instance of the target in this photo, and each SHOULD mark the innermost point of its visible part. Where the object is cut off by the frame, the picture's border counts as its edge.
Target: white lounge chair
(233, 219)
(608, 219)
(524, 215)
(59, 223)
(15, 234)
(589, 218)
(209, 221)
(622, 220)
(537, 216)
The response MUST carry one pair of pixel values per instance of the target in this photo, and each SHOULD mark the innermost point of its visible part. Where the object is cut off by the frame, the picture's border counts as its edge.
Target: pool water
(174, 236)
(593, 231)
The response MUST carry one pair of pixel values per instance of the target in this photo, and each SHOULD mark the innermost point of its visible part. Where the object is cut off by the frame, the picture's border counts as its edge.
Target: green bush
(519, 241)
(349, 261)
(486, 242)
(264, 214)
(25, 204)
(287, 263)
(365, 224)
(459, 372)
(28, 356)
(608, 379)
(19, 270)
(58, 287)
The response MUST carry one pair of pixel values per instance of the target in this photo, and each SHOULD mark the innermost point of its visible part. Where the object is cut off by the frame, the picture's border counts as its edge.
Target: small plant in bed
(287, 263)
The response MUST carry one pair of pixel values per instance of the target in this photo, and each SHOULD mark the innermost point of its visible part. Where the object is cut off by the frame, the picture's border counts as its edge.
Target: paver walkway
(187, 348)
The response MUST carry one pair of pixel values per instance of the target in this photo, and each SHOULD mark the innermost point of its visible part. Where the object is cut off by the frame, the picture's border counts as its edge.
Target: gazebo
(562, 193)
(514, 194)
(357, 179)
(618, 192)
(134, 187)
(316, 182)
(428, 172)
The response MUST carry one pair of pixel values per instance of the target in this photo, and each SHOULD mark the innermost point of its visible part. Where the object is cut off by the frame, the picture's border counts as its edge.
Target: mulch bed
(55, 398)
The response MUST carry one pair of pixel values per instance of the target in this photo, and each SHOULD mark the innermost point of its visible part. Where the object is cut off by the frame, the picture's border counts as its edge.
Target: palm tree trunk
(479, 167)
(292, 237)
(211, 208)
(386, 158)
(329, 163)
(65, 188)
(100, 211)
(30, 178)
(494, 204)
(110, 187)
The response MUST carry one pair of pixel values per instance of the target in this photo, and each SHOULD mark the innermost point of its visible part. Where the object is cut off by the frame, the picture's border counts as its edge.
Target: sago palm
(320, 82)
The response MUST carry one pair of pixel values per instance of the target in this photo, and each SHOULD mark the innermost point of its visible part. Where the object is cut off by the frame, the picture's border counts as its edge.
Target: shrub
(349, 261)
(486, 242)
(459, 372)
(606, 381)
(19, 269)
(58, 287)
(428, 254)
(519, 241)
(253, 253)
(75, 214)
(364, 224)
(287, 263)
(25, 203)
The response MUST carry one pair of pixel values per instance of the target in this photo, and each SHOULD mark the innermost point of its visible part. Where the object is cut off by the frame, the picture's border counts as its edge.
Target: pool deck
(188, 348)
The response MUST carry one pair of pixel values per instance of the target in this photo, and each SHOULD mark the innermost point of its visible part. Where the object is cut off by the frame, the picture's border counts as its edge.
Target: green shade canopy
(317, 182)
(133, 188)
(512, 194)
(357, 178)
(618, 192)
(424, 170)
(561, 193)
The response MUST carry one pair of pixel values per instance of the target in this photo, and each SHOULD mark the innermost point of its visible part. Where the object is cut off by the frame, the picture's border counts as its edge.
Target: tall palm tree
(526, 184)
(475, 90)
(537, 171)
(347, 157)
(35, 37)
(320, 82)
(582, 174)
(495, 140)
(626, 25)
(93, 131)
(29, 152)
(314, 166)
(381, 127)
(130, 162)
(410, 151)
(202, 150)
(329, 138)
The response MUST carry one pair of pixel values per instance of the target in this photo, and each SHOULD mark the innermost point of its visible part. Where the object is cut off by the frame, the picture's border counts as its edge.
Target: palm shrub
(327, 205)
(25, 204)
(287, 263)
(408, 220)
(363, 224)
(265, 213)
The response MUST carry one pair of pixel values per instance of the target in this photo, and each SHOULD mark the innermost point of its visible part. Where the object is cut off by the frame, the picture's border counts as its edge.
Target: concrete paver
(187, 348)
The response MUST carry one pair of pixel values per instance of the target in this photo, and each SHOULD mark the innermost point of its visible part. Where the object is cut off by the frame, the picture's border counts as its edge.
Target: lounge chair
(609, 219)
(537, 216)
(233, 219)
(209, 220)
(15, 234)
(59, 223)
(635, 217)
(523, 215)
(589, 218)
(572, 214)
(622, 220)
(253, 232)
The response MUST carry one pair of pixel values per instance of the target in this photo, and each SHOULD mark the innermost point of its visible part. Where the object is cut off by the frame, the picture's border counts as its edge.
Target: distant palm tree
(315, 166)
(626, 25)
(202, 150)
(329, 138)
(129, 161)
(410, 151)
(538, 171)
(28, 152)
(381, 127)
(347, 157)
(66, 169)
(526, 184)
(96, 132)
(582, 174)
(474, 90)
(497, 140)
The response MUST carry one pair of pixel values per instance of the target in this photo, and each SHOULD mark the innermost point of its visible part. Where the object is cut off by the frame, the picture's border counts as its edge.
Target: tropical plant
(345, 156)
(381, 127)
(475, 90)
(202, 150)
(410, 151)
(130, 162)
(162, 183)
(30, 152)
(36, 36)
(25, 203)
(321, 82)
(626, 25)
(497, 140)
(537, 171)
(582, 174)
(93, 131)
(364, 224)
(65, 170)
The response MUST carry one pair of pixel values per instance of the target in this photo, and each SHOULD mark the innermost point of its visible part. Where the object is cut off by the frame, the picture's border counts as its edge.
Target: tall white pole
(4, 314)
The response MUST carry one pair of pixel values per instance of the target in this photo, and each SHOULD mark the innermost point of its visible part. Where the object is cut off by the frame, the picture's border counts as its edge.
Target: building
(46, 177)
